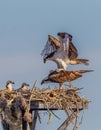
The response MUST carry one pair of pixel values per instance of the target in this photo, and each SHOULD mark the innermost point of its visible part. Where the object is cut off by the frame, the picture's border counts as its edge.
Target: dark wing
(58, 77)
(52, 45)
(73, 53)
(72, 75)
(54, 41)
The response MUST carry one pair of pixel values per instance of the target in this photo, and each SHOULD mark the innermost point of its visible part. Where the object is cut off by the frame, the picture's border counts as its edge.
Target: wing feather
(73, 53)
(51, 45)
(54, 41)
(49, 48)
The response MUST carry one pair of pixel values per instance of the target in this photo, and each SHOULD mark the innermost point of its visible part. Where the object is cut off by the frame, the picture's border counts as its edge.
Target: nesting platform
(16, 107)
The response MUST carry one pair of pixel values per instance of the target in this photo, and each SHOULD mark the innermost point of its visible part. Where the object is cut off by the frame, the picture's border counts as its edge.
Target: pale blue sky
(24, 26)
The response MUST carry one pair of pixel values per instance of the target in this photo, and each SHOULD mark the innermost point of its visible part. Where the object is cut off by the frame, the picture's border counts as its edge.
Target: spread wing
(51, 46)
(73, 53)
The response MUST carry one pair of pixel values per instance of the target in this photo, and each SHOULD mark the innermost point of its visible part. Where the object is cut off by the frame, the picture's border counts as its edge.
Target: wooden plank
(40, 106)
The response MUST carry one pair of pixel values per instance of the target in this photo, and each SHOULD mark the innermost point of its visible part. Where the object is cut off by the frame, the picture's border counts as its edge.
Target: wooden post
(34, 119)
(32, 125)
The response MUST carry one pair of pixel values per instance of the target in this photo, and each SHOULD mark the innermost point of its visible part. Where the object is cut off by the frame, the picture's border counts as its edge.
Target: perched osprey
(24, 87)
(62, 51)
(63, 76)
(9, 86)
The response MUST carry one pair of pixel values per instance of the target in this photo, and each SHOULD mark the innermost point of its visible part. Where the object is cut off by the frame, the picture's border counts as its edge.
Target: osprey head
(63, 35)
(9, 84)
(44, 81)
(24, 85)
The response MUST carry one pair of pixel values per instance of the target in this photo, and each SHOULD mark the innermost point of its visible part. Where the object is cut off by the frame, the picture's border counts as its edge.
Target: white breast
(10, 86)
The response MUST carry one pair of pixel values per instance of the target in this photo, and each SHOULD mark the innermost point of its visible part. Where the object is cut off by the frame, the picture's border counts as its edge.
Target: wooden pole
(34, 120)
(32, 125)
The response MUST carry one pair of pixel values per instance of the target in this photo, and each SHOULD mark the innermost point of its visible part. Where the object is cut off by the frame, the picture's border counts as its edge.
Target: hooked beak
(42, 82)
(13, 83)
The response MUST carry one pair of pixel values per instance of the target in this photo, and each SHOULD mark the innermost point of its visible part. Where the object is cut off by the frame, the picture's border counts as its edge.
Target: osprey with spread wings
(62, 51)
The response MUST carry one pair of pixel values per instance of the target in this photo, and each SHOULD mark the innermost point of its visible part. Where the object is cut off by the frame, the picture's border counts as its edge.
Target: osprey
(24, 87)
(9, 86)
(63, 76)
(62, 51)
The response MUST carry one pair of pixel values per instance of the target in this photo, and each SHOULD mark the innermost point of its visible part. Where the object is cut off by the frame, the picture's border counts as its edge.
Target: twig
(34, 86)
(39, 118)
(66, 123)
(55, 115)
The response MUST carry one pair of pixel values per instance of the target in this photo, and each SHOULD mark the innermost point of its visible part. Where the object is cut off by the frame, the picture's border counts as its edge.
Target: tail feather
(83, 61)
(85, 71)
(79, 61)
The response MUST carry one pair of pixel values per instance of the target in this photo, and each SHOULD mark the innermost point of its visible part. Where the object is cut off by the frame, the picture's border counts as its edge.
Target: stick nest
(17, 104)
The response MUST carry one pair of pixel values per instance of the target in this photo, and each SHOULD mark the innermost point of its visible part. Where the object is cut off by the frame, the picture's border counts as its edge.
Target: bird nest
(17, 104)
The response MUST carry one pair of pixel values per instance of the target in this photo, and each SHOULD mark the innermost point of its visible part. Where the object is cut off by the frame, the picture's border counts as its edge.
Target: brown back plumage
(66, 76)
